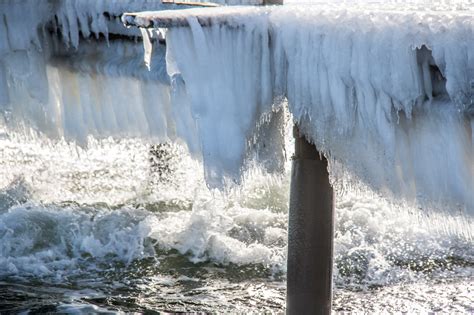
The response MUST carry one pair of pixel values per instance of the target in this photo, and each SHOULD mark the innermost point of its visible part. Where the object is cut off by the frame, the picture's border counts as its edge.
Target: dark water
(85, 231)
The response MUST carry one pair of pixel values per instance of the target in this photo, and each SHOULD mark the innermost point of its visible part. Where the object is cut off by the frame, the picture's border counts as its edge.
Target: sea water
(111, 228)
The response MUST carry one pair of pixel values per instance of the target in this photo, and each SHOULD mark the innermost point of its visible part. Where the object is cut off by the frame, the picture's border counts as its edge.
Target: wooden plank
(233, 16)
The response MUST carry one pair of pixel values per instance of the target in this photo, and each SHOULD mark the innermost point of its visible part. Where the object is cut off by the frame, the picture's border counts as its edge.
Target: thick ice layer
(225, 105)
(368, 88)
(366, 83)
(387, 94)
(46, 77)
(62, 75)
(93, 92)
(26, 20)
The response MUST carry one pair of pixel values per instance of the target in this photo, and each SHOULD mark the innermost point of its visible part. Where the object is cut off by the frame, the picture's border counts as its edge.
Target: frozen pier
(379, 77)
(384, 92)
(381, 95)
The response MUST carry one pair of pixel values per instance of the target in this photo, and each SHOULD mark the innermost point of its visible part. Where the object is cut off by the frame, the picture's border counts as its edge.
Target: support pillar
(310, 232)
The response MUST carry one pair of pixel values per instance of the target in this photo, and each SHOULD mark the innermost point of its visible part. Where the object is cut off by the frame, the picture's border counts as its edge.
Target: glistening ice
(385, 93)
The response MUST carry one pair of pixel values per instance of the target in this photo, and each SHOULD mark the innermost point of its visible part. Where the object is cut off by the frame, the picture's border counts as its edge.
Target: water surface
(104, 229)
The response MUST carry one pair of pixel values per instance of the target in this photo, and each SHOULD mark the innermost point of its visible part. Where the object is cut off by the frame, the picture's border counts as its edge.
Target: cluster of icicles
(387, 95)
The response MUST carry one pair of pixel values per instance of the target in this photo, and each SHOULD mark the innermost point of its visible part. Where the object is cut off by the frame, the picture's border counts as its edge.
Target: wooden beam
(206, 16)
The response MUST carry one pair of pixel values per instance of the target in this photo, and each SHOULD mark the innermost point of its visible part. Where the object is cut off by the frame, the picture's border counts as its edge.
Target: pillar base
(310, 232)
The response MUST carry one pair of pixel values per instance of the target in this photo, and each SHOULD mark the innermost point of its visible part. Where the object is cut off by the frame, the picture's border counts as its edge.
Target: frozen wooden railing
(311, 213)
(179, 18)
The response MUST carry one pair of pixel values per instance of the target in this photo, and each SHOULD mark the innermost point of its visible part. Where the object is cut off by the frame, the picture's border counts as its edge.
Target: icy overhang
(385, 91)
(433, 27)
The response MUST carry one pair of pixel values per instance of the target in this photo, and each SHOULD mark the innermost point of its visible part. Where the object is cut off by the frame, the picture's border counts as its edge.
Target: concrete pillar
(272, 2)
(310, 232)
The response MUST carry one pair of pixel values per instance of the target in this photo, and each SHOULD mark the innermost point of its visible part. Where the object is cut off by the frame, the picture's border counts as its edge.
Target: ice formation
(71, 69)
(389, 94)
(384, 91)
(47, 78)
(226, 105)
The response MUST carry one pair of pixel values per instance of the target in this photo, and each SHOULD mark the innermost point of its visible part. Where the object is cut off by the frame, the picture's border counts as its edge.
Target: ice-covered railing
(385, 91)
(25, 20)
(52, 52)
(59, 70)
(389, 84)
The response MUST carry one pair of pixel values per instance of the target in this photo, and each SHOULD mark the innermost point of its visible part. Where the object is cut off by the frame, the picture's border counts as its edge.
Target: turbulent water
(111, 228)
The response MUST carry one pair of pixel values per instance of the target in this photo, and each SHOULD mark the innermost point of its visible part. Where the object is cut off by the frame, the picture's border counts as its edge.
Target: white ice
(384, 90)
(61, 75)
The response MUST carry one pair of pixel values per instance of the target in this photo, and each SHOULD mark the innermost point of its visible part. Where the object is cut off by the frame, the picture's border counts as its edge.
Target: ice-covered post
(310, 232)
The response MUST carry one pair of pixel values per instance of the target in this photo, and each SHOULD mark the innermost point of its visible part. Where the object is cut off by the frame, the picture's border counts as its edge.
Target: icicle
(356, 84)
(4, 98)
(147, 45)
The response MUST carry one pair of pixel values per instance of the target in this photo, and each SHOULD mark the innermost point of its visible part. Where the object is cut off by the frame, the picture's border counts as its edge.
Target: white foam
(76, 208)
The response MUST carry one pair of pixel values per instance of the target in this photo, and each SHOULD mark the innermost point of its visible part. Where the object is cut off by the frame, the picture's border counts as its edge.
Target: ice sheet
(384, 91)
